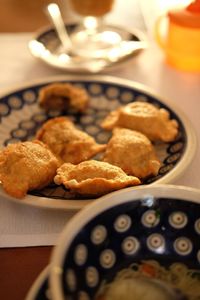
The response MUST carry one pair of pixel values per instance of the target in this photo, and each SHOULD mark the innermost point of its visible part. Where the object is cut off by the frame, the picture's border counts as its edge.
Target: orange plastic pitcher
(181, 43)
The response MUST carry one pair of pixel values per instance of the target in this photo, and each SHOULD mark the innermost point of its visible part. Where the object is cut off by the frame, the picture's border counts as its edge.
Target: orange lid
(194, 7)
(187, 17)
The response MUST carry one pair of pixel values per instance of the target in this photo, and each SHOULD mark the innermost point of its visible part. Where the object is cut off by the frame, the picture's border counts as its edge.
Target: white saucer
(46, 46)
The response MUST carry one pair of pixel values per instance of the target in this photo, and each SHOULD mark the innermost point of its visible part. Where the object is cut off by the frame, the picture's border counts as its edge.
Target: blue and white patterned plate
(160, 223)
(21, 116)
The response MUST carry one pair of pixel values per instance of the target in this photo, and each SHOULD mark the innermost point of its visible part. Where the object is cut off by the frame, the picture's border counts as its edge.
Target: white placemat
(28, 226)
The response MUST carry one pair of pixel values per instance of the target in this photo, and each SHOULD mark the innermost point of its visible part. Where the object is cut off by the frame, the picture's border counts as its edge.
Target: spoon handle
(54, 15)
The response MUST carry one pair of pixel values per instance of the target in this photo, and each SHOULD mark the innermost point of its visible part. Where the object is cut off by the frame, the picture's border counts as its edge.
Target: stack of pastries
(64, 154)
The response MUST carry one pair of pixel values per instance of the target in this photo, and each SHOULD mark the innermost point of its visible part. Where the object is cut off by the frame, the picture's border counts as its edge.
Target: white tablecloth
(28, 226)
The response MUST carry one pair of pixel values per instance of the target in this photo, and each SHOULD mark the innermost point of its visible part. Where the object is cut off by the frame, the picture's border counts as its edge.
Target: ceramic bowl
(40, 289)
(160, 223)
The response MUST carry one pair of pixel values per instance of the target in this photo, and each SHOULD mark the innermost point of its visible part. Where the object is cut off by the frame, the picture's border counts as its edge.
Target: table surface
(21, 266)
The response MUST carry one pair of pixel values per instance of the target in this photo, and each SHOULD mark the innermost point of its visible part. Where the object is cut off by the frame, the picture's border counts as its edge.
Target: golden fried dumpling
(68, 143)
(93, 178)
(133, 152)
(155, 123)
(63, 96)
(26, 166)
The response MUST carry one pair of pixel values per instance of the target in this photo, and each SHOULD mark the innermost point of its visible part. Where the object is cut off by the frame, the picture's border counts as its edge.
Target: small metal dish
(47, 47)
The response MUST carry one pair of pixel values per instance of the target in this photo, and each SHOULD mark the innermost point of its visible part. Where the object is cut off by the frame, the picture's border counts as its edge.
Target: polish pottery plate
(151, 233)
(21, 116)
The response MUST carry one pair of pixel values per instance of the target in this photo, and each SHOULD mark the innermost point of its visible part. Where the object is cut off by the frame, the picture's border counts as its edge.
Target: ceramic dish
(21, 116)
(39, 290)
(46, 46)
(123, 229)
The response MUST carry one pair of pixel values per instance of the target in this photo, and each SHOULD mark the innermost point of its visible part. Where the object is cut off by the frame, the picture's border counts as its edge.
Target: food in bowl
(151, 232)
(151, 281)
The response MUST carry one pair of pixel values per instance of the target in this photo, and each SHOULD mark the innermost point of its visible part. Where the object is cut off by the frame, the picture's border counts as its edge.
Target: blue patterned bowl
(160, 222)
(40, 290)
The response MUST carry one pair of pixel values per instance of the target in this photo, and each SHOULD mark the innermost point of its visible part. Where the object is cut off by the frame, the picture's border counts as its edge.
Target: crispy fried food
(93, 178)
(133, 152)
(26, 166)
(68, 143)
(155, 123)
(63, 96)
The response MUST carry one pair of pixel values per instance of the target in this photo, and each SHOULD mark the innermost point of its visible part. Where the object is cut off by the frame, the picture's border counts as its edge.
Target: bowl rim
(105, 202)
(37, 284)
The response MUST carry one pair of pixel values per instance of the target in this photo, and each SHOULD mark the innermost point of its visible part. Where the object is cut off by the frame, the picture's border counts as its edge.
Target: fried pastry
(94, 178)
(155, 123)
(68, 143)
(63, 96)
(26, 166)
(133, 152)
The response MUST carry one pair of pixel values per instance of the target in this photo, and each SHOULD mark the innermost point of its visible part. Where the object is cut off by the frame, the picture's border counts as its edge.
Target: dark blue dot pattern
(21, 107)
(163, 242)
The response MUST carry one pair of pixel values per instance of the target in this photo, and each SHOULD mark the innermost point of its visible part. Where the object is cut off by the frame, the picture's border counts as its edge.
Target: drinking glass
(93, 37)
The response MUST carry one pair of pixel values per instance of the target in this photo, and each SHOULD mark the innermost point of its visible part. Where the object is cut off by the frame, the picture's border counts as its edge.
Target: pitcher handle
(158, 36)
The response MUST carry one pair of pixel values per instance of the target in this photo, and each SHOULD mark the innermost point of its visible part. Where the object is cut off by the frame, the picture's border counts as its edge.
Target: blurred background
(28, 15)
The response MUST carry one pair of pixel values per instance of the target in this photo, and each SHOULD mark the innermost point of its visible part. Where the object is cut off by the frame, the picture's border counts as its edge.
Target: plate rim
(137, 32)
(106, 202)
(33, 290)
(74, 205)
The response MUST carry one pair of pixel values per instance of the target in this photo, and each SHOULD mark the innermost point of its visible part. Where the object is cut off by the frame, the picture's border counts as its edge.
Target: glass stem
(92, 25)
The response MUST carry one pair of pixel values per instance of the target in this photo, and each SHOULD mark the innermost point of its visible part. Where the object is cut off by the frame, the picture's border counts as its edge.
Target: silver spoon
(119, 53)
(54, 14)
